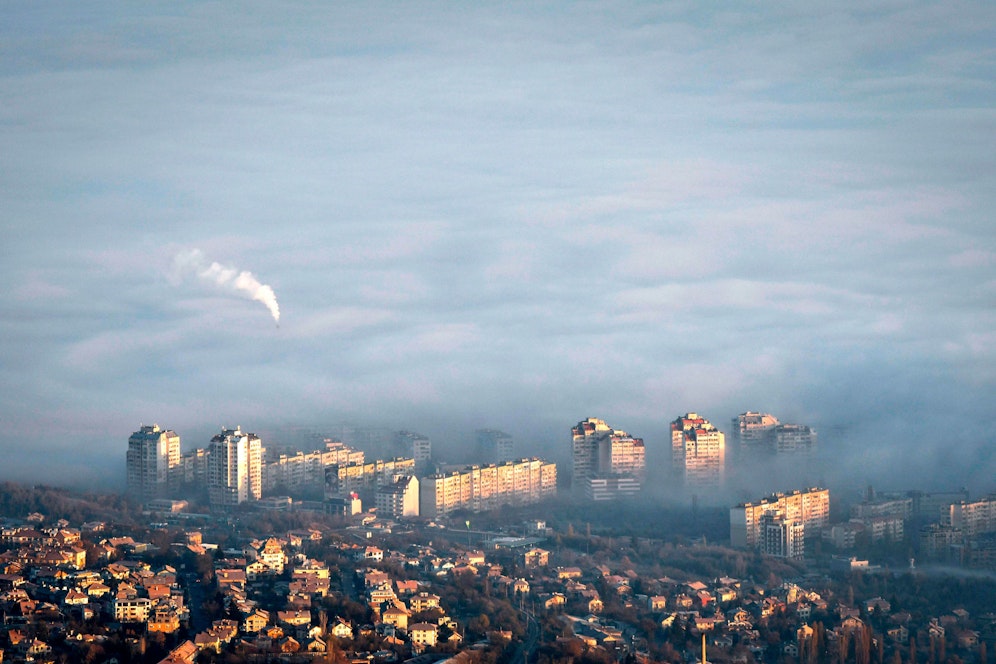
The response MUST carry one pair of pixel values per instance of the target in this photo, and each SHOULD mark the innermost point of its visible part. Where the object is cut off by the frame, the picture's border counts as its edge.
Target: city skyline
(492, 217)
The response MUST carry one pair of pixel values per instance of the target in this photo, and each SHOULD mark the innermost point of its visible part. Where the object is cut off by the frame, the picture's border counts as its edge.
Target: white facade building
(400, 498)
(494, 446)
(153, 462)
(782, 537)
(235, 468)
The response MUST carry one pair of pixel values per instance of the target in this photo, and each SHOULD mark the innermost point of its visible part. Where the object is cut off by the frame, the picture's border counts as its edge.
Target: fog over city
(513, 216)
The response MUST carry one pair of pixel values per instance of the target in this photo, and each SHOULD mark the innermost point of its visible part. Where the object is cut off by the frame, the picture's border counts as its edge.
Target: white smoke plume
(192, 261)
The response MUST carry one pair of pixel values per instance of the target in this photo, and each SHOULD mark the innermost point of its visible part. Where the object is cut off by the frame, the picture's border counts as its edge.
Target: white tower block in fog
(235, 468)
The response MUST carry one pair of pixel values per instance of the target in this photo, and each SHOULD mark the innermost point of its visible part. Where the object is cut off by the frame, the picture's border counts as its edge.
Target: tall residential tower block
(809, 507)
(494, 446)
(698, 452)
(758, 435)
(152, 462)
(607, 462)
(235, 468)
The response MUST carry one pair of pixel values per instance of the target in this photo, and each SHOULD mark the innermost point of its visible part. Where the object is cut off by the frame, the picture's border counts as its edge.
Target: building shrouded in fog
(365, 478)
(607, 463)
(483, 488)
(152, 462)
(753, 430)
(416, 446)
(235, 468)
(973, 518)
(698, 452)
(494, 446)
(760, 434)
(810, 508)
(794, 439)
(306, 469)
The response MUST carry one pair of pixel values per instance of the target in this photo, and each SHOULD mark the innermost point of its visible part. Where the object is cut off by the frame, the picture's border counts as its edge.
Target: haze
(510, 215)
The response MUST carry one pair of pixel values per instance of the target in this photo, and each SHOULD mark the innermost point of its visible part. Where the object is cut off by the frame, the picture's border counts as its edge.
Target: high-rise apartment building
(973, 518)
(494, 446)
(933, 507)
(152, 462)
(400, 498)
(940, 541)
(235, 468)
(377, 442)
(753, 430)
(810, 507)
(781, 536)
(416, 446)
(796, 439)
(698, 452)
(584, 450)
(604, 455)
(759, 434)
(901, 507)
(194, 467)
(608, 487)
(621, 454)
(482, 488)
(366, 477)
(307, 469)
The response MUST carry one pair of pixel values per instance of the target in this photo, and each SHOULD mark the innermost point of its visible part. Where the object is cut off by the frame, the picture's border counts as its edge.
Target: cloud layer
(514, 217)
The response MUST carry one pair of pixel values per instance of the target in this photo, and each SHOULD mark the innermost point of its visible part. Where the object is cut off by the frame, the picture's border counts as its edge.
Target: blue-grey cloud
(512, 217)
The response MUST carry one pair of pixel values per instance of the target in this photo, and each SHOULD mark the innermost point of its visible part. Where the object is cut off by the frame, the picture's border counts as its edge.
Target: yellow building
(482, 488)
(256, 621)
(423, 601)
(973, 518)
(423, 634)
(164, 618)
(345, 478)
(810, 507)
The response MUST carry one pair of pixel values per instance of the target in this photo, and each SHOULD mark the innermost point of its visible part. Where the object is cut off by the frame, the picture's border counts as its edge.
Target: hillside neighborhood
(366, 590)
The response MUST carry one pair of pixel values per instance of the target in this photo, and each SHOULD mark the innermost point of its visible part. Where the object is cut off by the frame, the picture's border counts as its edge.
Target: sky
(505, 215)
